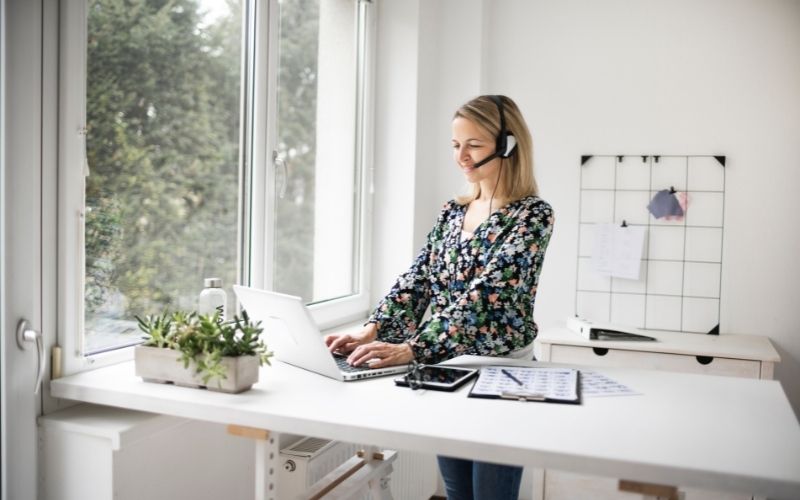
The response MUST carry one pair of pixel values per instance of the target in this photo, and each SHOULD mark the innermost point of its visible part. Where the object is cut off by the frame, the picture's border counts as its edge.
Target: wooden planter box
(155, 364)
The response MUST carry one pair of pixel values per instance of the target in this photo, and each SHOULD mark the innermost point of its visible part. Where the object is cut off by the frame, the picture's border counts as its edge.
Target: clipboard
(547, 385)
(608, 334)
(595, 331)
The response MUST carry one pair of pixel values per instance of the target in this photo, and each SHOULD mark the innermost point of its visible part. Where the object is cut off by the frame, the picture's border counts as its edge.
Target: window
(201, 138)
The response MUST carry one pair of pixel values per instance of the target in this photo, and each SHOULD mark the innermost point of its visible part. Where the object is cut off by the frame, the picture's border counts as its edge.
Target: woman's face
(472, 144)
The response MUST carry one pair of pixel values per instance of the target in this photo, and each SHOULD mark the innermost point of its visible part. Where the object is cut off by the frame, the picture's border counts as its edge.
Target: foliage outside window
(163, 124)
(164, 132)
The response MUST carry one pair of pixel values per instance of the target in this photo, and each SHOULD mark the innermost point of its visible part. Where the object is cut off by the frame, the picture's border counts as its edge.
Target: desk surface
(717, 433)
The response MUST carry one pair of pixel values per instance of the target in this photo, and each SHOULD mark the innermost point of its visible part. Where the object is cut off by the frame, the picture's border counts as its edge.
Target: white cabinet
(729, 355)
(93, 452)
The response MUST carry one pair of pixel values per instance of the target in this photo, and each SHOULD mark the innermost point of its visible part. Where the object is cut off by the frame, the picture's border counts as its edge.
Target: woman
(478, 271)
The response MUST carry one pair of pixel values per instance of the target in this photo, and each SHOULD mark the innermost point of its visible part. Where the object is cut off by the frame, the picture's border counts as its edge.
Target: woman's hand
(380, 354)
(346, 342)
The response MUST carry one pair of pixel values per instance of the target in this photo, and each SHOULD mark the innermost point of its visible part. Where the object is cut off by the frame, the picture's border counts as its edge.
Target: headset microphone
(506, 143)
(486, 160)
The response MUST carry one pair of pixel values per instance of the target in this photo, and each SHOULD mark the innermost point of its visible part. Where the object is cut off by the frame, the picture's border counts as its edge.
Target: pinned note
(617, 250)
(668, 204)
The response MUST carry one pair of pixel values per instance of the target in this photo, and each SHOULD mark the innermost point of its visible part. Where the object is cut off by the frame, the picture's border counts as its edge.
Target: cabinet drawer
(654, 361)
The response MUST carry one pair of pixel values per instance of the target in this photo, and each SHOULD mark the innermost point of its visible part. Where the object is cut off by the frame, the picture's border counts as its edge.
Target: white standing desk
(711, 432)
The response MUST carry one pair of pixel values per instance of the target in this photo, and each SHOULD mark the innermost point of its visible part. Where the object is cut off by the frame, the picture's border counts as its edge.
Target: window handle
(26, 335)
(280, 162)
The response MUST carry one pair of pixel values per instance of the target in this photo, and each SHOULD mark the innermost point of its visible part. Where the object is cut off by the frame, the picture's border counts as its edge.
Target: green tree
(162, 146)
(163, 135)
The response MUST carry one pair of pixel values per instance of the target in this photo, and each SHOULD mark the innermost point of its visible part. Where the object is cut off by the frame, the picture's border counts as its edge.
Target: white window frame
(257, 193)
(333, 312)
(71, 188)
(327, 313)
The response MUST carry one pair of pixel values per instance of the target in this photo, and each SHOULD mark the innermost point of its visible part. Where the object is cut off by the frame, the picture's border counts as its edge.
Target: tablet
(440, 378)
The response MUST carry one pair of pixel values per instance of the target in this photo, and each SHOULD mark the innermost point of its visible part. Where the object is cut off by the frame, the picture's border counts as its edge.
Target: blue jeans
(470, 480)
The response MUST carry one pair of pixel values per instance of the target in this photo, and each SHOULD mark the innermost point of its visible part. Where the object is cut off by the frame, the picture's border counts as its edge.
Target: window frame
(260, 188)
(256, 179)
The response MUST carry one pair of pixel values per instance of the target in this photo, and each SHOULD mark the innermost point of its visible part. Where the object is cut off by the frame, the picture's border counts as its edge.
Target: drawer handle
(704, 360)
(600, 351)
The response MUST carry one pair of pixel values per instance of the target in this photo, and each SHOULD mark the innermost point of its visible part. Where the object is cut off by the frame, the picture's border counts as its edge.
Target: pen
(512, 377)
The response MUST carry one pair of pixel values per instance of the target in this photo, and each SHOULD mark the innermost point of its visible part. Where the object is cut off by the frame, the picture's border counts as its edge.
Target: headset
(506, 143)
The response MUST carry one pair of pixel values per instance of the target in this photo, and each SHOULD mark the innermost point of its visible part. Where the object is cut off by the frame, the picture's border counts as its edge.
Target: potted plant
(194, 350)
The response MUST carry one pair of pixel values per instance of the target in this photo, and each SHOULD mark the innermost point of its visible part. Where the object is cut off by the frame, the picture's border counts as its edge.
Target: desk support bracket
(366, 474)
(267, 452)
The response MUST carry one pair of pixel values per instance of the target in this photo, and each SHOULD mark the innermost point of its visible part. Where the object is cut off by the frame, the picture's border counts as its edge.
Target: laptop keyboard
(343, 365)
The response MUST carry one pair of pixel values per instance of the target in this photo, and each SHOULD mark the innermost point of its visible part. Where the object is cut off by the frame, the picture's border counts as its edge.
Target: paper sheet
(617, 251)
(595, 384)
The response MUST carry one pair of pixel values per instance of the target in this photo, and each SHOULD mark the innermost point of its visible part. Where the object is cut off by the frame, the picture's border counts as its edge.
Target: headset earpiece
(511, 143)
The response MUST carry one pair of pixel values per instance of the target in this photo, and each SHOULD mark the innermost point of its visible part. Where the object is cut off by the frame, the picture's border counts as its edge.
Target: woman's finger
(364, 353)
(357, 354)
(340, 341)
(389, 356)
(345, 348)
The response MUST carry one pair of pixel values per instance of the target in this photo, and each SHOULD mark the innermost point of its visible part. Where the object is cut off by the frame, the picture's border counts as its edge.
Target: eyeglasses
(414, 375)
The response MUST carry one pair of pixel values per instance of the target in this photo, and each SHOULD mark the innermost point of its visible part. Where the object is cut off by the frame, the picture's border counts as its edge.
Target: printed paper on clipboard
(549, 385)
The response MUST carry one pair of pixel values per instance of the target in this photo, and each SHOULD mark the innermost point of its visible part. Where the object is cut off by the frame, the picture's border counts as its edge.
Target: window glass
(165, 118)
(317, 203)
(162, 150)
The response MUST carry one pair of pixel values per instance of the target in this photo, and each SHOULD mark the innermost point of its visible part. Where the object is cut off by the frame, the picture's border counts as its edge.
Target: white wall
(624, 76)
(450, 72)
(679, 77)
(416, 94)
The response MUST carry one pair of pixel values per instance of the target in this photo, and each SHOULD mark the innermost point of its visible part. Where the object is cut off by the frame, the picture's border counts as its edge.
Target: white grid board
(680, 281)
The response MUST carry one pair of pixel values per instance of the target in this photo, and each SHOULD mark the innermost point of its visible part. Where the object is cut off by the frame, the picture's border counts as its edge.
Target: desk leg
(266, 460)
(378, 487)
(537, 478)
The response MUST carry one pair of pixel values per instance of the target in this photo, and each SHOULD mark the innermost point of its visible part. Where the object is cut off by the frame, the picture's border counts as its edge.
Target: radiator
(309, 459)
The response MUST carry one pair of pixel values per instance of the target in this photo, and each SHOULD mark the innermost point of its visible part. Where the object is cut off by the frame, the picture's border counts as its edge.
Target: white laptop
(291, 333)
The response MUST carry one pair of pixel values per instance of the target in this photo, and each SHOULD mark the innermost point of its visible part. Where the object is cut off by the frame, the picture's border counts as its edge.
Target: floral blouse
(481, 290)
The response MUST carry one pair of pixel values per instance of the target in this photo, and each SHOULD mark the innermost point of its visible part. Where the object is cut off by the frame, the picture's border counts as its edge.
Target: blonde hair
(516, 180)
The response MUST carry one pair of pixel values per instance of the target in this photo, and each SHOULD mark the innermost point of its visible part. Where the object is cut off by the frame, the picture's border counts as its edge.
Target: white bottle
(213, 298)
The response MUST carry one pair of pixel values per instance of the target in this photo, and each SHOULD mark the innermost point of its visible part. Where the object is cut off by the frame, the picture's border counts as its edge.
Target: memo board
(680, 281)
